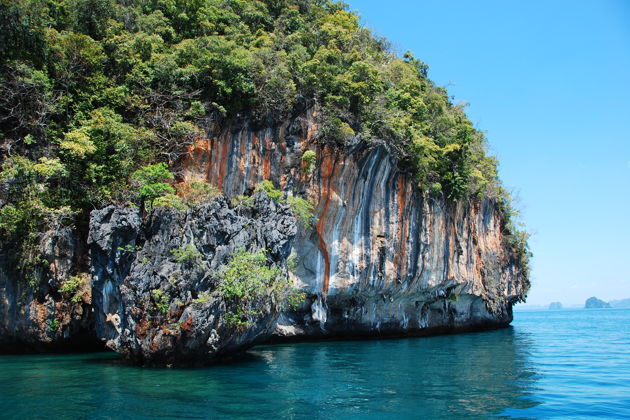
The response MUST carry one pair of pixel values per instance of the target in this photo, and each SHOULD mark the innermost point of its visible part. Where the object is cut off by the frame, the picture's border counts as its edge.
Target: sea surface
(550, 364)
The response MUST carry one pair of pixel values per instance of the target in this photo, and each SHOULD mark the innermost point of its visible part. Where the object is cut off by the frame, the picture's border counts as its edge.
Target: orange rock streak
(402, 227)
(326, 170)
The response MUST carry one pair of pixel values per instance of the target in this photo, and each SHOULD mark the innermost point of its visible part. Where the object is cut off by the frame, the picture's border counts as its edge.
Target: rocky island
(594, 303)
(621, 303)
(183, 188)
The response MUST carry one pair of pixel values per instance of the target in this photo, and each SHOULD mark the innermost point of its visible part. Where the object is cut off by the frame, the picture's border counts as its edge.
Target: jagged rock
(135, 272)
(34, 314)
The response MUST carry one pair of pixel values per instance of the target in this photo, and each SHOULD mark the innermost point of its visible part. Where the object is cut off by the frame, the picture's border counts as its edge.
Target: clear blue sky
(549, 83)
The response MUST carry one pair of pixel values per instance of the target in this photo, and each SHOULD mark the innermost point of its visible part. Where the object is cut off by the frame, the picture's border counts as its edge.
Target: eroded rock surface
(383, 257)
(156, 308)
(35, 315)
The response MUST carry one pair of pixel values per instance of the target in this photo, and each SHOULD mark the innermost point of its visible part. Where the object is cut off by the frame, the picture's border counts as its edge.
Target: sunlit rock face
(157, 309)
(382, 257)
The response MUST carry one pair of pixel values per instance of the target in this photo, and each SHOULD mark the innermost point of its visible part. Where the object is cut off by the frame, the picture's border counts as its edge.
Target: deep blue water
(550, 364)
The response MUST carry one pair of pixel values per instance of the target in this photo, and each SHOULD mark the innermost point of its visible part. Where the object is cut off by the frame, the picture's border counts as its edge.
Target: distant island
(623, 303)
(555, 305)
(593, 302)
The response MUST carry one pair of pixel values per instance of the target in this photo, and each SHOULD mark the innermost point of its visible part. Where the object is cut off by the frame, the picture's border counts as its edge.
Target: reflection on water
(563, 364)
(566, 364)
(438, 377)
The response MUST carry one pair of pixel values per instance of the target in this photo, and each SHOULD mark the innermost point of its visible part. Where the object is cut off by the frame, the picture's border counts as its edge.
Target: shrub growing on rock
(77, 288)
(186, 255)
(302, 209)
(161, 300)
(152, 182)
(247, 279)
(309, 160)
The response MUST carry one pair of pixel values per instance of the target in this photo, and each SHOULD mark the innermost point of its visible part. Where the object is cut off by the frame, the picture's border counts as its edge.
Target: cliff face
(382, 258)
(37, 316)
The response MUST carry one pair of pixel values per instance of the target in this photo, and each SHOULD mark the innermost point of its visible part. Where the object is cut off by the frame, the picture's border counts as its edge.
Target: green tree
(152, 183)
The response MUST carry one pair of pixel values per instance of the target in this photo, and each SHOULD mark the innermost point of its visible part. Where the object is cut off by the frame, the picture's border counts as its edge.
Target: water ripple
(551, 364)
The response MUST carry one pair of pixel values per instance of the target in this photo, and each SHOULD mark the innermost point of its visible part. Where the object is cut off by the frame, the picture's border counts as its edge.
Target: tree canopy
(92, 90)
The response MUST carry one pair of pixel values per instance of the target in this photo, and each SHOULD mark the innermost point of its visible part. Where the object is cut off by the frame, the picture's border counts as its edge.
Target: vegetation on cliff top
(93, 90)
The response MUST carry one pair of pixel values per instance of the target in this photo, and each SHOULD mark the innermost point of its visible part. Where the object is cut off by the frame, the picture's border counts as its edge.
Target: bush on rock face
(152, 182)
(246, 279)
(214, 290)
(301, 209)
(186, 255)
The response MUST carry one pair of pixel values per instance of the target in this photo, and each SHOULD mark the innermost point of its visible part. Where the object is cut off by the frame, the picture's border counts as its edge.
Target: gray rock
(132, 260)
(34, 314)
(384, 257)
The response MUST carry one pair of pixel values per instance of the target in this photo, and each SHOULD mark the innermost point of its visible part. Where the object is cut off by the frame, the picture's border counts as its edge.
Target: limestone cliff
(383, 258)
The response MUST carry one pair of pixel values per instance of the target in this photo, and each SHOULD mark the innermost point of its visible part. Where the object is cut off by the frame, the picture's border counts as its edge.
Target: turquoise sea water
(550, 364)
